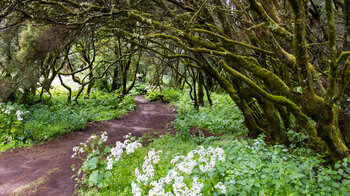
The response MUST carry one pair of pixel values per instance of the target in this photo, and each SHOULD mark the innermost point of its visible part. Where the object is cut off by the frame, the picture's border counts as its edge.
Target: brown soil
(46, 169)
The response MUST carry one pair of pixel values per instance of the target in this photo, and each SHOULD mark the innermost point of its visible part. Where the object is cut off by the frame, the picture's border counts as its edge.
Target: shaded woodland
(285, 64)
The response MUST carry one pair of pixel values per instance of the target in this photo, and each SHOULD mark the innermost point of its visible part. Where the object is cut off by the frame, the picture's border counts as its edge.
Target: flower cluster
(221, 187)
(129, 145)
(204, 159)
(83, 147)
(18, 114)
(104, 137)
(147, 168)
(8, 110)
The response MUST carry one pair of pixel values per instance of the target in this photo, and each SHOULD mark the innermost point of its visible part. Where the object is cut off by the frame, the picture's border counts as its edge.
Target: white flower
(157, 188)
(220, 153)
(136, 190)
(187, 166)
(191, 154)
(110, 162)
(147, 168)
(175, 178)
(117, 151)
(127, 142)
(127, 136)
(170, 176)
(104, 136)
(130, 148)
(18, 114)
(92, 137)
(196, 187)
(75, 149)
(221, 187)
(176, 159)
(178, 182)
(10, 108)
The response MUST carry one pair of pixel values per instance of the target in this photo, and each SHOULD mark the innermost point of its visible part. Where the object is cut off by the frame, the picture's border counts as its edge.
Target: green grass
(48, 119)
(221, 118)
(58, 117)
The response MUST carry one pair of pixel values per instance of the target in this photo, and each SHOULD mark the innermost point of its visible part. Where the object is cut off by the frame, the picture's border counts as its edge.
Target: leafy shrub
(173, 95)
(252, 168)
(123, 170)
(93, 171)
(223, 117)
(45, 121)
(57, 117)
(156, 95)
(297, 139)
(12, 131)
(139, 88)
(165, 95)
(21, 125)
(193, 174)
(230, 167)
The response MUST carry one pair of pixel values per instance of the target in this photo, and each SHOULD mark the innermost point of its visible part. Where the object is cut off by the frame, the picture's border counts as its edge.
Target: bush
(12, 130)
(123, 170)
(156, 95)
(42, 121)
(223, 117)
(227, 167)
(252, 168)
(173, 95)
(139, 89)
(58, 117)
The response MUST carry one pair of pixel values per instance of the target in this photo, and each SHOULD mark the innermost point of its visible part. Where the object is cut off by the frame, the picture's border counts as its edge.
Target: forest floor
(46, 169)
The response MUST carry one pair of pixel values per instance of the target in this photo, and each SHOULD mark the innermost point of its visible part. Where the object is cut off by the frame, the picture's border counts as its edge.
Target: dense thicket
(285, 64)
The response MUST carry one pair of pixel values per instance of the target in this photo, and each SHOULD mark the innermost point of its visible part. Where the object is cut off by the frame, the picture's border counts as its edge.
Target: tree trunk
(200, 89)
(344, 115)
(115, 81)
(125, 70)
(329, 131)
(90, 85)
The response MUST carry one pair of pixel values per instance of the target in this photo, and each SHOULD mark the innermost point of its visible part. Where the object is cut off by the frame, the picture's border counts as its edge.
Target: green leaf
(92, 164)
(107, 150)
(94, 178)
(337, 166)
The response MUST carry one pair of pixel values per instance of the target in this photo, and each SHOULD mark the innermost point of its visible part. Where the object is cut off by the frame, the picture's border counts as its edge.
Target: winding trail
(46, 169)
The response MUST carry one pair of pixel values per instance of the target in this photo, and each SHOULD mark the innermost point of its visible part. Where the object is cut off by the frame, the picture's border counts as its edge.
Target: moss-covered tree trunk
(200, 89)
(323, 110)
(344, 118)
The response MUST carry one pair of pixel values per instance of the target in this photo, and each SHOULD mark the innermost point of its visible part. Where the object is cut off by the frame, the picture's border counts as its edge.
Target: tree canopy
(285, 64)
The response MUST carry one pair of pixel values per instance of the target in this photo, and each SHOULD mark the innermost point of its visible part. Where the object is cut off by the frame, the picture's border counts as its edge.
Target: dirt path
(46, 169)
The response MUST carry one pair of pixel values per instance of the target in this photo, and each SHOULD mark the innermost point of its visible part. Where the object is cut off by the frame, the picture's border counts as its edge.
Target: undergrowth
(223, 117)
(176, 165)
(48, 119)
(172, 166)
